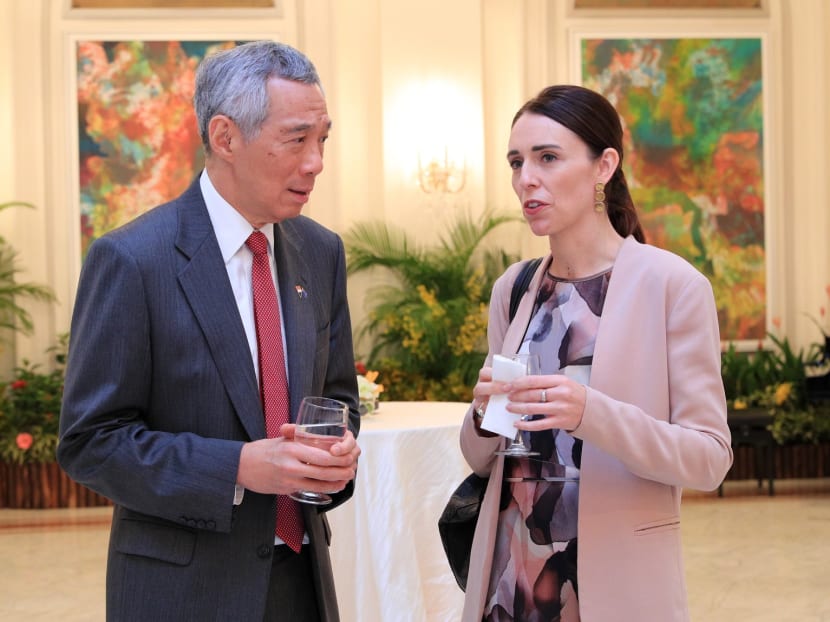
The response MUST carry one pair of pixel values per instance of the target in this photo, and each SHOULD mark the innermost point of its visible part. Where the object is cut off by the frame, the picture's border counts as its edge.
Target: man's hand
(282, 466)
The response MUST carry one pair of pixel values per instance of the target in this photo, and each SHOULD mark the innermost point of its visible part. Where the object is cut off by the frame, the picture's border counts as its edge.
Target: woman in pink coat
(629, 403)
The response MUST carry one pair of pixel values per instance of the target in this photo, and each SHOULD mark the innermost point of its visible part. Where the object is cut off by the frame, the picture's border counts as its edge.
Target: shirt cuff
(238, 494)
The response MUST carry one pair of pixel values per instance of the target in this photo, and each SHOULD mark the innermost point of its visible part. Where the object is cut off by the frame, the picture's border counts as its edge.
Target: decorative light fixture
(439, 176)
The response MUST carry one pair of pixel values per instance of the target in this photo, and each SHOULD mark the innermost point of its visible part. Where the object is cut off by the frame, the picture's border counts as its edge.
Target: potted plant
(30, 405)
(29, 411)
(428, 326)
(12, 315)
(770, 385)
(29, 414)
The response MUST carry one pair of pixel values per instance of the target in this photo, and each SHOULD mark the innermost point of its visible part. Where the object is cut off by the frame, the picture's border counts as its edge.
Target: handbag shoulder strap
(521, 284)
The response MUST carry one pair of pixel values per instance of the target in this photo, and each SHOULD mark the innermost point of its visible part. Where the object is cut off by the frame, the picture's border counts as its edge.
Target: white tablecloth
(389, 565)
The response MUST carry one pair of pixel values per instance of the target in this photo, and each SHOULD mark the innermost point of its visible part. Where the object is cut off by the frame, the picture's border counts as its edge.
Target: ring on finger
(544, 397)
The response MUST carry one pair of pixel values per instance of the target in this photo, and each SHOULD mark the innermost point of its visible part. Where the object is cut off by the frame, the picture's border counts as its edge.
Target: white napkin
(497, 418)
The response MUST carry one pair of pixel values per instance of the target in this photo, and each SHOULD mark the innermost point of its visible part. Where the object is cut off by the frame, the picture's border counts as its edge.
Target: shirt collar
(229, 226)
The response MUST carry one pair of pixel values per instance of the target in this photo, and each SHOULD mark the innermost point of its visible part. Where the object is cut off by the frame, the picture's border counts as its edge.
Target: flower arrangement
(29, 411)
(368, 390)
(427, 323)
(775, 380)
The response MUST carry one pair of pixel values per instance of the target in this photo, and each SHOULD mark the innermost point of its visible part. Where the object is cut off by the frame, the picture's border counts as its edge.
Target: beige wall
(805, 163)
(372, 56)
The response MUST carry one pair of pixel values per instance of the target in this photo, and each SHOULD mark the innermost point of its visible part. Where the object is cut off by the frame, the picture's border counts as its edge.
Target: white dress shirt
(232, 231)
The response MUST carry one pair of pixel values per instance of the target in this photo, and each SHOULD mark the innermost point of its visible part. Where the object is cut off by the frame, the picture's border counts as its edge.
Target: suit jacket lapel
(296, 290)
(205, 284)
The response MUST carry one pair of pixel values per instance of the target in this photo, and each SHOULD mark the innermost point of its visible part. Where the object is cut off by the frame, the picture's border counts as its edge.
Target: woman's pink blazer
(654, 423)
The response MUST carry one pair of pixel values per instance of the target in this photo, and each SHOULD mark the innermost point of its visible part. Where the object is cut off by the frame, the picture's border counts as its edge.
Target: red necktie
(273, 382)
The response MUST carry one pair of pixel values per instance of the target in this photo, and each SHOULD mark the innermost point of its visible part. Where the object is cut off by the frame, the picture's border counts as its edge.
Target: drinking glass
(518, 448)
(321, 422)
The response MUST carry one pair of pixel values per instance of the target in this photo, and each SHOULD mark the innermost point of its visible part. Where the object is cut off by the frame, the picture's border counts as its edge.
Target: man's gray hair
(234, 83)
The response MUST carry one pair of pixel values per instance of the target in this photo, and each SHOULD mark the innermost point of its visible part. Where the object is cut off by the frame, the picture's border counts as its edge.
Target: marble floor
(749, 557)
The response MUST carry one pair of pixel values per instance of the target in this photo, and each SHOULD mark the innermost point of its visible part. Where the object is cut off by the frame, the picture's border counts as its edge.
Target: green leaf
(426, 325)
(12, 314)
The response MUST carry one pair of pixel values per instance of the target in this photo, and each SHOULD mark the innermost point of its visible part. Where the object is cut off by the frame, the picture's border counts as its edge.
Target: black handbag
(458, 524)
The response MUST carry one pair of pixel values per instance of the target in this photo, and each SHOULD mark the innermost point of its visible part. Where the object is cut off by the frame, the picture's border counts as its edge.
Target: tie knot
(258, 243)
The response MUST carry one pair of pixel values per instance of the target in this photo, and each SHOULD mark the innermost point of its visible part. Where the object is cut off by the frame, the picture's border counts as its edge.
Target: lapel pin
(301, 291)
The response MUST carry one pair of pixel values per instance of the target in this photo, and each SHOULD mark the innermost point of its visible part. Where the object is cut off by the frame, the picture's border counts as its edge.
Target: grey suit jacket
(161, 393)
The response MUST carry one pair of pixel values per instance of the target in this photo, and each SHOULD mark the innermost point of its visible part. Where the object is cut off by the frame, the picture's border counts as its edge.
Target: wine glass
(518, 448)
(321, 423)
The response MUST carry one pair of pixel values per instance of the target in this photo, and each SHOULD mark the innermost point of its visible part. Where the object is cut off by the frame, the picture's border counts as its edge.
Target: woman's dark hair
(592, 117)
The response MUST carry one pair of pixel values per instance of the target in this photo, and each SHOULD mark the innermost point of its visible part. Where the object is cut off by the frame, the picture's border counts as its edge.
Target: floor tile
(749, 557)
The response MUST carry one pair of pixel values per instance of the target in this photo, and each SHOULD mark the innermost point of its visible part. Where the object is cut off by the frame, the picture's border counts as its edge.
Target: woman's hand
(558, 398)
(485, 387)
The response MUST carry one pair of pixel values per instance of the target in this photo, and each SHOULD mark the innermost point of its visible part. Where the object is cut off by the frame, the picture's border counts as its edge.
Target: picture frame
(695, 109)
(668, 8)
(171, 4)
(174, 9)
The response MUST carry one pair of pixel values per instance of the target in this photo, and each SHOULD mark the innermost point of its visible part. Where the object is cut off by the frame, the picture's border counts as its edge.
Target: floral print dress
(533, 578)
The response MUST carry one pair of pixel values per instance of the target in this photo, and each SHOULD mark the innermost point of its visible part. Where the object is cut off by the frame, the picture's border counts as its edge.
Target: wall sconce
(439, 176)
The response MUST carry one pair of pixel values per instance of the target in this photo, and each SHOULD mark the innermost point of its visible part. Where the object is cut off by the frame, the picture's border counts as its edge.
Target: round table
(389, 564)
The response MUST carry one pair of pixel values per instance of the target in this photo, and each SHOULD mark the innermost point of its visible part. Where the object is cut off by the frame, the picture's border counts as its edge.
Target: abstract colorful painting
(138, 141)
(693, 119)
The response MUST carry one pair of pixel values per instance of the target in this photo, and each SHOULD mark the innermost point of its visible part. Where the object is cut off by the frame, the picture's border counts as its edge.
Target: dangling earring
(599, 197)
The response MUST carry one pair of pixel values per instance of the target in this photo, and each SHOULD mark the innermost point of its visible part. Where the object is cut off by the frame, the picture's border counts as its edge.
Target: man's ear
(223, 135)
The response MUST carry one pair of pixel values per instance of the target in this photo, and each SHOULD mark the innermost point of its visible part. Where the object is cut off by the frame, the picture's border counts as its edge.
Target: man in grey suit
(162, 410)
